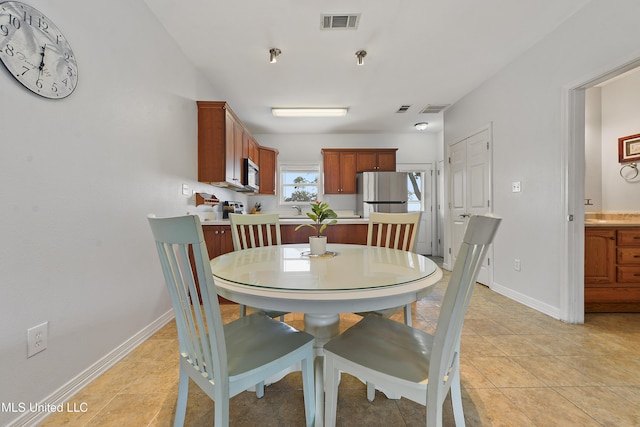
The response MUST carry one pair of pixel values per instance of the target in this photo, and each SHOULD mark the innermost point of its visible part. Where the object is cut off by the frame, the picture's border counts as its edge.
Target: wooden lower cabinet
(612, 269)
(219, 241)
(340, 233)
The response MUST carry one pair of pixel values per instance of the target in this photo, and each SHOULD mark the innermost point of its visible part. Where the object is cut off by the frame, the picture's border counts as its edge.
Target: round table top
(344, 267)
(366, 276)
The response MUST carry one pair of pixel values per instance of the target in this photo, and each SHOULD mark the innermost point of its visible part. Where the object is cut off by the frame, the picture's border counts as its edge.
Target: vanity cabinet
(382, 160)
(268, 158)
(339, 171)
(612, 269)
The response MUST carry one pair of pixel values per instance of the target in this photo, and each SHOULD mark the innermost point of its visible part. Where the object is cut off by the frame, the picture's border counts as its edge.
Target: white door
(421, 198)
(439, 240)
(470, 190)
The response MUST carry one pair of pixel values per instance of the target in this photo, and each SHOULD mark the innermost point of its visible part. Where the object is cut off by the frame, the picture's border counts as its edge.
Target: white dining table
(347, 279)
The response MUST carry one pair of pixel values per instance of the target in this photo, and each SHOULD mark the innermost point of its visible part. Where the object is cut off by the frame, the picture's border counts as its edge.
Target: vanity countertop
(605, 219)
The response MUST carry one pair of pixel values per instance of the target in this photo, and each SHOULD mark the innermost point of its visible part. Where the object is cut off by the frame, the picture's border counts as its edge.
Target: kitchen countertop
(283, 221)
(612, 220)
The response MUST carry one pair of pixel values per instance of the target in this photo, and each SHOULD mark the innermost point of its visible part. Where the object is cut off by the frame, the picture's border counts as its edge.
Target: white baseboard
(528, 301)
(65, 392)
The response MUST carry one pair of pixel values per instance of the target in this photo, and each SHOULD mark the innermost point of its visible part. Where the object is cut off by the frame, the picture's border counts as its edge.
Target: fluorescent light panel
(309, 112)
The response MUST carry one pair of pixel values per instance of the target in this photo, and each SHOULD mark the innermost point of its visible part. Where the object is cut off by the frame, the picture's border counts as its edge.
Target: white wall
(79, 176)
(620, 112)
(593, 150)
(412, 148)
(524, 103)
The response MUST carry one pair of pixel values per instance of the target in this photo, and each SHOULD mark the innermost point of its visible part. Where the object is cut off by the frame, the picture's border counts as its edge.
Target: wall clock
(35, 52)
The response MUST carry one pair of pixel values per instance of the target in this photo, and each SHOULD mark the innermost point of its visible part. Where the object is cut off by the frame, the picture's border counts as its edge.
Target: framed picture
(629, 148)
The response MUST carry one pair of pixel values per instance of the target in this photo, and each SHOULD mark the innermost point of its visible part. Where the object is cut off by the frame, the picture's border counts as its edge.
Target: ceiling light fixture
(309, 112)
(360, 55)
(273, 55)
(421, 125)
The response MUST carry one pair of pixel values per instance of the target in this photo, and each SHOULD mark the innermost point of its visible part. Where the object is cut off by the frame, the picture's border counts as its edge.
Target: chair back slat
(251, 231)
(397, 231)
(185, 266)
(475, 244)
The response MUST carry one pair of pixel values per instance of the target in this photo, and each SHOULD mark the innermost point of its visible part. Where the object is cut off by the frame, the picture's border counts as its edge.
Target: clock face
(35, 52)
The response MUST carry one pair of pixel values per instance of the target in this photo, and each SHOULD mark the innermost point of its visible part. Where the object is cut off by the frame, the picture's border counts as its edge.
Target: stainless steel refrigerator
(381, 192)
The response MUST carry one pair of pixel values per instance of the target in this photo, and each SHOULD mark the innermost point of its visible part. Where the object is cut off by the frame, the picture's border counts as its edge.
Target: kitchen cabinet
(339, 233)
(219, 144)
(223, 143)
(250, 148)
(612, 269)
(339, 171)
(268, 167)
(218, 239)
(382, 160)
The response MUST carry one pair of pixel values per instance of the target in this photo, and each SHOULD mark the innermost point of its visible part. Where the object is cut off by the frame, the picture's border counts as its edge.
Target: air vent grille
(340, 22)
(403, 108)
(433, 109)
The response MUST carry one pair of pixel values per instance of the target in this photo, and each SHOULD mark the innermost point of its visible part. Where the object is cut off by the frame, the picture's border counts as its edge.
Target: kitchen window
(299, 183)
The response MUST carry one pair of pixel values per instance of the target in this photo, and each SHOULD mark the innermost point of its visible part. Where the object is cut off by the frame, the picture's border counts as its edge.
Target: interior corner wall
(79, 176)
(524, 103)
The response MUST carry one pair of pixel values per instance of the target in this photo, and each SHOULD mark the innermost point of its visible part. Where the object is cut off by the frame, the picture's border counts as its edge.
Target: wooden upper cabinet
(268, 167)
(341, 166)
(223, 143)
(376, 160)
(339, 171)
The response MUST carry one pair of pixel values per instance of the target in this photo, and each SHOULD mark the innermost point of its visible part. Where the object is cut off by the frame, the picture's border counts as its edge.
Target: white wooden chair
(412, 363)
(223, 360)
(397, 231)
(254, 231)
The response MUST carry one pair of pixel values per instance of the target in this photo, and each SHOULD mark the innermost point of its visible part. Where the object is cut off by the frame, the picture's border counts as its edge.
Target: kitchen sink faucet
(298, 209)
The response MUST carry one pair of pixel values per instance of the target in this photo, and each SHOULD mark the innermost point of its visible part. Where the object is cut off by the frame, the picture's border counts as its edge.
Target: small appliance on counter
(231, 207)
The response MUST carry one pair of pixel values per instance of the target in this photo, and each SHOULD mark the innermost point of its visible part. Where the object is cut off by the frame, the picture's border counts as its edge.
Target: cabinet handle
(612, 238)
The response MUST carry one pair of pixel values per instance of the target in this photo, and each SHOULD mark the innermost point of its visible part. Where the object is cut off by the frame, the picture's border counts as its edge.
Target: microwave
(251, 176)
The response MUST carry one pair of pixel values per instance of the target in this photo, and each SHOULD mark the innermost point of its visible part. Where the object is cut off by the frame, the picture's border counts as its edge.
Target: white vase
(318, 245)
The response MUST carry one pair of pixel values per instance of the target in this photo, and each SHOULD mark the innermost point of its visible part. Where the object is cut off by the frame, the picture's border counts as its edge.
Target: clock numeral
(14, 21)
(39, 83)
(42, 24)
(4, 30)
(8, 49)
(54, 88)
(27, 18)
(26, 69)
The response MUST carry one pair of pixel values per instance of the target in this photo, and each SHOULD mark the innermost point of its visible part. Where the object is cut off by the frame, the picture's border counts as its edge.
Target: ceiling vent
(433, 109)
(403, 108)
(340, 22)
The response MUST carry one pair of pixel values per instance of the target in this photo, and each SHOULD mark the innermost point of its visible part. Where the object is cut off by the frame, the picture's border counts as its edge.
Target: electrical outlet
(37, 339)
(185, 190)
(516, 264)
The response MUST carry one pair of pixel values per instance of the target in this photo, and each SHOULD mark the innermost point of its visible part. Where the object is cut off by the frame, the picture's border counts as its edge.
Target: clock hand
(41, 67)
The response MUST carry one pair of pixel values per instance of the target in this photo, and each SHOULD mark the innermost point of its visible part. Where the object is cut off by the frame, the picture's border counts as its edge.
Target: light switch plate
(515, 187)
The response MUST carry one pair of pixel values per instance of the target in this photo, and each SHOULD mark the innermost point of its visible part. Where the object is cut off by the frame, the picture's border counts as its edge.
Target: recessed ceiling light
(309, 112)
(421, 125)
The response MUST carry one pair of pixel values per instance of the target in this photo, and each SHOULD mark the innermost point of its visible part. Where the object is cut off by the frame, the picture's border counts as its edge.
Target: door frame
(573, 170)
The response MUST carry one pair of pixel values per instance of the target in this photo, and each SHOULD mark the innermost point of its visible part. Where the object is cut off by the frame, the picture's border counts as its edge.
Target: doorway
(572, 296)
(421, 188)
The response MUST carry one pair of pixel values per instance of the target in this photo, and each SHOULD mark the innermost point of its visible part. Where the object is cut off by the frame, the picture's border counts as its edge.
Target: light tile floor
(519, 368)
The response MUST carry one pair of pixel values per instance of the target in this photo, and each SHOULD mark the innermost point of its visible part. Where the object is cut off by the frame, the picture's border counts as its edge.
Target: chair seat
(255, 340)
(375, 340)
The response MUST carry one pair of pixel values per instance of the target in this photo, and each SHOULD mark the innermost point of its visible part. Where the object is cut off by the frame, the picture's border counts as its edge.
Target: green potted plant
(320, 212)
